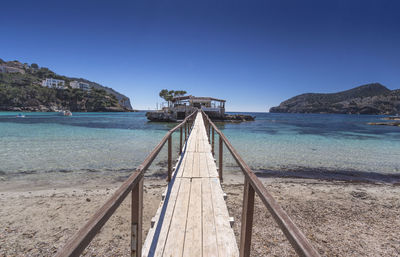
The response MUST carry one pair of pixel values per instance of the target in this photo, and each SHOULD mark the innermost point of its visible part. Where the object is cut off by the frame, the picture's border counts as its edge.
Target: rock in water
(239, 118)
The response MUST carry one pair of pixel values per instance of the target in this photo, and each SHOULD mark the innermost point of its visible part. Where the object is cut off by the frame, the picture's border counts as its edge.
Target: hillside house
(54, 83)
(80, 85)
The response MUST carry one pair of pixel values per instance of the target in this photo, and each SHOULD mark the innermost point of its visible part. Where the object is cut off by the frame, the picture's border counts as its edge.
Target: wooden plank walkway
(193, 219)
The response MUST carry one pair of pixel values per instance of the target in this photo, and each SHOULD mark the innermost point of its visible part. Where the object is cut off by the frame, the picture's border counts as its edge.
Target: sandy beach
(339, 218)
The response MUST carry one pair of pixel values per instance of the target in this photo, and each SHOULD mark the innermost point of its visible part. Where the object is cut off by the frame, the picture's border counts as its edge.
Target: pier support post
(180, 141)
(247, 220)
(136, 219)
(212, 145)
(221, 147)
(169, 158)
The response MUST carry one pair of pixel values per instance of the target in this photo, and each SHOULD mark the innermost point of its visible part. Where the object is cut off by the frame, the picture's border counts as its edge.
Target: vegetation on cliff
(22, 91)
(366, 99)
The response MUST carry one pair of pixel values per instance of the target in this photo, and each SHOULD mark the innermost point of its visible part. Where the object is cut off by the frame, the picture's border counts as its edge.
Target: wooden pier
(192, 219)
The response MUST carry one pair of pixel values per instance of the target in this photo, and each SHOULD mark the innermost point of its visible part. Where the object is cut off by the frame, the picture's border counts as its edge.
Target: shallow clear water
(325, 142)
(45, 142)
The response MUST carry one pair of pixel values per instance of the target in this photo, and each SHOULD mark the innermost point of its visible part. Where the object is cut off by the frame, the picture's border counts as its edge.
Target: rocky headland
(366, 99)
(21, 90)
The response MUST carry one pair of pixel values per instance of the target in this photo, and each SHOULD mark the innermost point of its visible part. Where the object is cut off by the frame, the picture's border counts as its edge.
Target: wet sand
(38, 215)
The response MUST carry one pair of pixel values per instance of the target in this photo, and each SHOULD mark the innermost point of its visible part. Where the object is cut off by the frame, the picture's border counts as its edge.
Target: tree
(179, 93)
(34, 66)
(168, 95)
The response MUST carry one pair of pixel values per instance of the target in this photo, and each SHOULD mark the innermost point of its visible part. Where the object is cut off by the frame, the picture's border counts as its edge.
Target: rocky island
(366, 99)
(180, 106)
(25, 87)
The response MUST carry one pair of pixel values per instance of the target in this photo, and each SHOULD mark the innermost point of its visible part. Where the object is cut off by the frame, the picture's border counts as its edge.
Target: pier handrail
(253, 184)
(79, 241)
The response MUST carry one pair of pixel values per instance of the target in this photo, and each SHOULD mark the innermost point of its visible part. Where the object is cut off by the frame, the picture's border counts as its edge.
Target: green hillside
(21, 90)
(366, 99)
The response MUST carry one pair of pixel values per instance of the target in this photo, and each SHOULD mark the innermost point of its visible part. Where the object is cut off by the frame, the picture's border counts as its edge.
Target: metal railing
(252, 184)
(78, 242)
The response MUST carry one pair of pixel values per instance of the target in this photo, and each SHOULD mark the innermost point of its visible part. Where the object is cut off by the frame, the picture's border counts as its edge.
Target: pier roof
(190, 97)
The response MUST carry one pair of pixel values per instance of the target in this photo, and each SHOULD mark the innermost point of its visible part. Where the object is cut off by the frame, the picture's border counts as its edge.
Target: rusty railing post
(180, 141)
(221, 146)
(212, 145)
(136, 219)
(169, 158)
(247, 220)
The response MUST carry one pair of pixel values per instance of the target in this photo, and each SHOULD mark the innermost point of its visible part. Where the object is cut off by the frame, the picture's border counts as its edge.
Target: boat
(65, 113)
(20, 115)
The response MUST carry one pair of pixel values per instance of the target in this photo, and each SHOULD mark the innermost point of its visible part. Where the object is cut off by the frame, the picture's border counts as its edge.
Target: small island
(180, 106)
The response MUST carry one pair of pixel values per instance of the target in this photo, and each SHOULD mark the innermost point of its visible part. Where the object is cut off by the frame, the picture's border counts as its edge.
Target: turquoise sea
(324, 145)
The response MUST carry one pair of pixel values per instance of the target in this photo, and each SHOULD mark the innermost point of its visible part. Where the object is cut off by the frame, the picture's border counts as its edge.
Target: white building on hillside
(54, 83)
(81, 85)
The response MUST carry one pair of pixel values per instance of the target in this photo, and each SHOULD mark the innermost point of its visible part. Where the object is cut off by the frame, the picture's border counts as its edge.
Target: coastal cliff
(21, 89)
(366, 99)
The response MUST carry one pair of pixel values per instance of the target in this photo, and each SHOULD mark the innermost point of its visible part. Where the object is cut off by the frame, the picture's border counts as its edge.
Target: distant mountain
(21, 90)
(366, 99)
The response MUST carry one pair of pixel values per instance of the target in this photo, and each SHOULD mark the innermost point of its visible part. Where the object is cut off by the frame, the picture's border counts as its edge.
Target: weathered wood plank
(210, 247)
(196, 165)
(200, 145)
(180, 167)
(212, 167)
(225, 238)
(203, 167)
(161, 228)
(193, 232)
(188, 171)
(192, 143)
(176, 235)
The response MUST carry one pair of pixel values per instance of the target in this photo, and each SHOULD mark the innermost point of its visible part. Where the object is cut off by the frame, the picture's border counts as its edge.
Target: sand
(38, 215)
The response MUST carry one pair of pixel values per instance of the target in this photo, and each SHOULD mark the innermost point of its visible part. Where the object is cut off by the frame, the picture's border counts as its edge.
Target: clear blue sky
(255, 54)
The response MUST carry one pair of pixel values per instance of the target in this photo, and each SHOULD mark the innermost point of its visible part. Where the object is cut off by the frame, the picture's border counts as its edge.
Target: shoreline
(337, 175)
(349, 176)
(339, 218)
